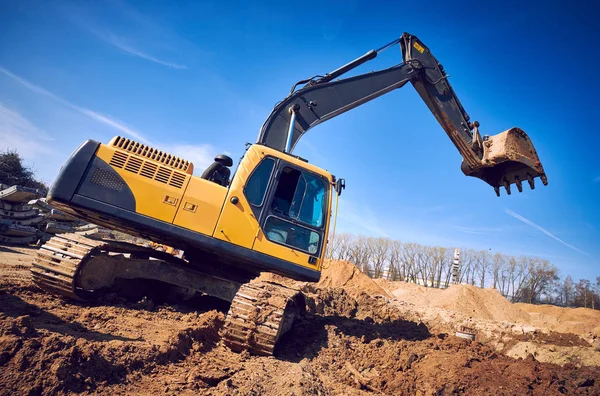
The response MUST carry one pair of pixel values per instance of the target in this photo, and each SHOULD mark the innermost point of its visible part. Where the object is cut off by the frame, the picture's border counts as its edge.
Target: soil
(466, 299)
(356, 338)
(574, 320)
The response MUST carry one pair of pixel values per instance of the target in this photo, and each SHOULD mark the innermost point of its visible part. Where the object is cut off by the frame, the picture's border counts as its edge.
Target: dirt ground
(358, 337)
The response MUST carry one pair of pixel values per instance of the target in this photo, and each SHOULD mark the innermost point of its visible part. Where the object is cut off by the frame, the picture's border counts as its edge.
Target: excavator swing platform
(272, 215)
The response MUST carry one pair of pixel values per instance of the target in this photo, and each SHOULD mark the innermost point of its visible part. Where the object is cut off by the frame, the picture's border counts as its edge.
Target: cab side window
(258, 182)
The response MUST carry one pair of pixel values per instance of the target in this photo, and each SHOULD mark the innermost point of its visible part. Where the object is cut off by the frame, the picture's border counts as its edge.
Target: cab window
(298, 211)
(257, 184)
(300, 196)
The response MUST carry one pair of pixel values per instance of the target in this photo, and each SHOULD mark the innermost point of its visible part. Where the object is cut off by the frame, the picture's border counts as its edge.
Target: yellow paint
(237, 223)
(201, 207)
(419, 47)
(205, 207)
(152, 198)
(263, 245)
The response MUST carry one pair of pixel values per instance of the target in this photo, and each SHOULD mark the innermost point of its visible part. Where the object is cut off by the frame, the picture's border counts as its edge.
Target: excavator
(273, 214)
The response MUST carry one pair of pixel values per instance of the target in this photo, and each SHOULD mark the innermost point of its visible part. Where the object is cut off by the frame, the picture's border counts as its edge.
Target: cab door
(239, 220)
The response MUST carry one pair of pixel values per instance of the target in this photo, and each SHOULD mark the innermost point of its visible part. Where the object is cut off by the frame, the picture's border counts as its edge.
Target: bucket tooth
(497, 190)
(531, 182)
(519, 184)
(507, 187)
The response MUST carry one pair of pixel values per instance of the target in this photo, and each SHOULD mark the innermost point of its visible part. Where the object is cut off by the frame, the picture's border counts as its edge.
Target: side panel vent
(163, 175)
(133, 164)
(148, 170)
(118, 159)
(151, 153)
(177, 180)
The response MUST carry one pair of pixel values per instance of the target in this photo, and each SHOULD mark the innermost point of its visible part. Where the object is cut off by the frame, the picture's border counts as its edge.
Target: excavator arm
(501, 160)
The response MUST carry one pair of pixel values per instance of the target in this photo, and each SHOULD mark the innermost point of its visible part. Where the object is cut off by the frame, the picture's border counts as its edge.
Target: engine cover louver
(153, 154)
(167, 174)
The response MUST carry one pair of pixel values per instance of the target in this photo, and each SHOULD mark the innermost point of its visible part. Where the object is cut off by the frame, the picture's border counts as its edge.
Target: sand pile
(347, 275)
(564, 320)
(466, 299)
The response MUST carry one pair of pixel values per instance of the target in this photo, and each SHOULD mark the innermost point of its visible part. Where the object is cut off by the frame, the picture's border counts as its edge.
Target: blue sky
(199, 78)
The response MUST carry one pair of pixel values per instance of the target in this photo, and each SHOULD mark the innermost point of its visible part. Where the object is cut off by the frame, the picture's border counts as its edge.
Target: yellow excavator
(272, 215)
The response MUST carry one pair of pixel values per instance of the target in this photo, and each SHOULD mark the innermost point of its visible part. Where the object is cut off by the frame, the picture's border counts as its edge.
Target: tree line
(14, 172)
(518, 278)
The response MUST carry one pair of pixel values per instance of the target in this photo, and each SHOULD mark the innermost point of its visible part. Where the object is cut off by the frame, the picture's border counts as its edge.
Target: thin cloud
(201, 155)
(103, 119)
(477, 230)
(353, 216)
(20, 134)
(126, 25)
(537, 227)
(120, 44)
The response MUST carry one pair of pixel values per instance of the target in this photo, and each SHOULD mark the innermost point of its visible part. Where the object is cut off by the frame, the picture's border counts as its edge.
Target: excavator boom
(501, 160)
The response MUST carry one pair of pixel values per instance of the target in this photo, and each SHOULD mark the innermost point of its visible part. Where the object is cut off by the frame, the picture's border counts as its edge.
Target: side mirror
(340, 185)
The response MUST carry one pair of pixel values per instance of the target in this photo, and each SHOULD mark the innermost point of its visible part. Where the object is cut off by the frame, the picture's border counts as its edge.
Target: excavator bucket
(509, 157)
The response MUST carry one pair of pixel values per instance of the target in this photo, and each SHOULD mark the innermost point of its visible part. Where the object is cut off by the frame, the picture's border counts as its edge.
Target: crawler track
(259, 315)
(57, 262)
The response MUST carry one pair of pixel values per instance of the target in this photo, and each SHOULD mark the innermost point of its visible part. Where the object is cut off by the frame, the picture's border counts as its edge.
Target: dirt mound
(366, 350)
(347, 275)
(566, 320)
(466, 299)
(351, 341)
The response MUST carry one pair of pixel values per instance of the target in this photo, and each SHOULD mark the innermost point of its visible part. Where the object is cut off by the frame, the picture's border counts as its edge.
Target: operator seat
(219, 172)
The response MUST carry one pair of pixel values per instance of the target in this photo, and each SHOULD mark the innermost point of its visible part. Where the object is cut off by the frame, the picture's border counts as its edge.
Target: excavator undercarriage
(80, 268)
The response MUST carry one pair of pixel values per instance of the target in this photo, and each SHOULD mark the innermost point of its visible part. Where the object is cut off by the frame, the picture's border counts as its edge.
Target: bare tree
(482, 265)
(567, 291)
(380, 248)
(583, 291)
(424, 264)
(410, 257)
(360, 254)
(498, 262)
(523, 271)
(437, 257)
(340, 247)
(466, 268)
(542, 274)
(448, 265)
(396, 269)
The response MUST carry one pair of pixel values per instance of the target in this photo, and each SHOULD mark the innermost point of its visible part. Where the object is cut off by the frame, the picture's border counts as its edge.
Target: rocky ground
(358, 337)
